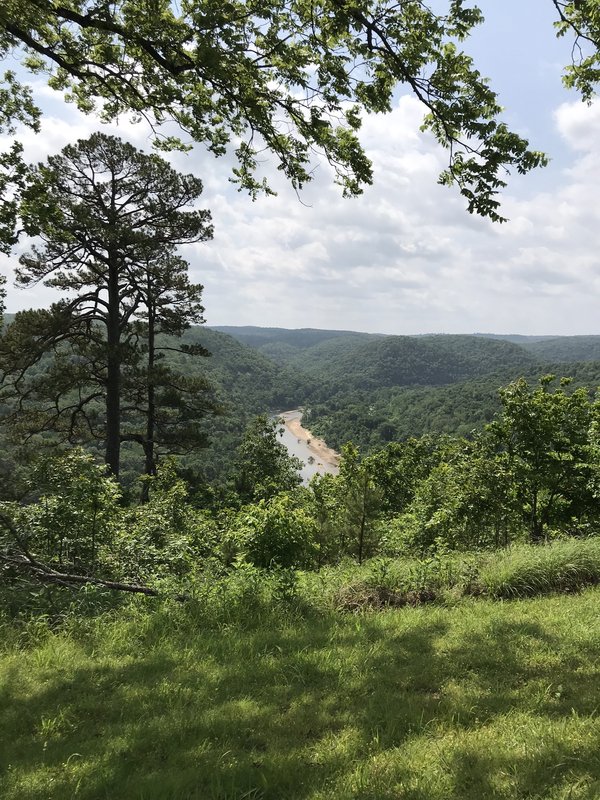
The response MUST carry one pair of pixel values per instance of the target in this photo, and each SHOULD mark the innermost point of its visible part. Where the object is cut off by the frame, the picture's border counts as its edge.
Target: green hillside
(206, 702)
(283, 344)
(372, 418)
(566, 348)
(366, 388)
(349, 364)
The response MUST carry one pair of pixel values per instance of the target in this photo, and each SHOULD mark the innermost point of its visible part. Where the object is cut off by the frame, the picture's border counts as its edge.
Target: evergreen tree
(106, 214)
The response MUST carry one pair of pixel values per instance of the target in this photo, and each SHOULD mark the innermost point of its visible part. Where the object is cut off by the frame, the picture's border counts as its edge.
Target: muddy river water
(314, 453)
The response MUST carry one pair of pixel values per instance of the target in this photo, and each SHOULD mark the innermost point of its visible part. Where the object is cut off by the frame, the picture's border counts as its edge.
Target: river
(316, 457)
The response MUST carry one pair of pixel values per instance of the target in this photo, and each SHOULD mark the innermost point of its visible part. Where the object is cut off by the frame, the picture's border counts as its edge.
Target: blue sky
(406, 257)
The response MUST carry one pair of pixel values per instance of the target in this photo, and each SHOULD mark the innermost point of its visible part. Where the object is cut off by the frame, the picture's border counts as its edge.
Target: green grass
(516, 572)
(481, 700)
(524, 571)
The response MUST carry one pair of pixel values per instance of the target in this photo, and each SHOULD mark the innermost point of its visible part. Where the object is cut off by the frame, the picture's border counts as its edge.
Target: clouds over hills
(403, 258)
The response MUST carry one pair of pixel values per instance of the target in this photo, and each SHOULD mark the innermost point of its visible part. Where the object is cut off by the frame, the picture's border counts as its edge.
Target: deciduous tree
(263, 467)
(543, 435)
(292, 77)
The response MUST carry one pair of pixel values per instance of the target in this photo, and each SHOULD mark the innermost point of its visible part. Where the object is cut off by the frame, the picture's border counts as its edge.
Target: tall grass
(519, 571)
(563, 566)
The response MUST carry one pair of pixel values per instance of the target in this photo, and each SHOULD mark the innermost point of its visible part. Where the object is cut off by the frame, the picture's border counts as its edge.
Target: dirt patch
(362, 598)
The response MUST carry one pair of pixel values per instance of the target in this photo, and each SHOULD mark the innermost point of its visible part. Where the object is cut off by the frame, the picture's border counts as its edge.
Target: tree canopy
(291, 77)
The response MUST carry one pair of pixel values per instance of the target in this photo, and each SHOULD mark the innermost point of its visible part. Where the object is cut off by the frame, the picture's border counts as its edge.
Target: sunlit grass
(481, 700)
(524, 571)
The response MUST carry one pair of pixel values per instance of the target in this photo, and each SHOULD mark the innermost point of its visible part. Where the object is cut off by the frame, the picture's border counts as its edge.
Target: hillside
(246, 384)
(371, 419)
(566, 348)
(350, 364)
(285, 346)
(367, 388)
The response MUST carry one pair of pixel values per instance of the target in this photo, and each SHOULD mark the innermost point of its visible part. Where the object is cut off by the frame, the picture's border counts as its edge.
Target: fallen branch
(48, 575)
(24, 560)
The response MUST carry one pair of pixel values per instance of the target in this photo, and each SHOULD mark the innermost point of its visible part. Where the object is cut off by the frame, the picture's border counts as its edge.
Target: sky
(405, 257)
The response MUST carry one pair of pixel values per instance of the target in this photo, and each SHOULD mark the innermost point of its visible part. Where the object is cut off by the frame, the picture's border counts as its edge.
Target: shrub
(72, 524)
(275, 533)
(165, 536)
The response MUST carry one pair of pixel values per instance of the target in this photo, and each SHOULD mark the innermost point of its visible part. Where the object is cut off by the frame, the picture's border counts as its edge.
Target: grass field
(485, 699)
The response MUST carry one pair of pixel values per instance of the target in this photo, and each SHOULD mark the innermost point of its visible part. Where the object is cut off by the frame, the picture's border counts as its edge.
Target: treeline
(531, 475)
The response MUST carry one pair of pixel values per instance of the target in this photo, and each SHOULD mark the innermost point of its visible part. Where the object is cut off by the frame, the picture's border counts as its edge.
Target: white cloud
(403, 258)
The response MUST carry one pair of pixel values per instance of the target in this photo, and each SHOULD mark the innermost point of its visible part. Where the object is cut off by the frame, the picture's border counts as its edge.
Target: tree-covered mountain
(348, 363)
(287, 346)
(566, 348)
(366, 388)
(371, 419)
(373, 389)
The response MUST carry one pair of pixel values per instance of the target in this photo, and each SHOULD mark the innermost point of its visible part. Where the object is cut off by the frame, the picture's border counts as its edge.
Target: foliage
(16, 107)
(164, 537)
(564, 566)
(359, 505)
(72, 523)
(581, 19)
(263, 467)
(294, 77)
(443, 576)
(465, 502)
(278, 532)
(324, 507)
(543, 436)
(401, 467)
(109, 218)
(371, 419)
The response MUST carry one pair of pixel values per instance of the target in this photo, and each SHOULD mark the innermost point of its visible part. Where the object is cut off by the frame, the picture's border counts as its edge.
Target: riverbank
(324, 456)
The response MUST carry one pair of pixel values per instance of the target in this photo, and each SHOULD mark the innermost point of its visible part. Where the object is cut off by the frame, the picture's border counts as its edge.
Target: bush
(165, 537)
(275, 533)
(72, 524)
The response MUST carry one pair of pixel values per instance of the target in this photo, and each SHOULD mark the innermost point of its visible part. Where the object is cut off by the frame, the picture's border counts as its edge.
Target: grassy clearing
(484, 699)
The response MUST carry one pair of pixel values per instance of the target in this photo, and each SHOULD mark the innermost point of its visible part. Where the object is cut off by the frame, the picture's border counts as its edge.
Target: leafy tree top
(102, 200)
(292, 77)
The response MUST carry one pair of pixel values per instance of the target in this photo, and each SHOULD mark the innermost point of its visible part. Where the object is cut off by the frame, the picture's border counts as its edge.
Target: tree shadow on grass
(299, 711)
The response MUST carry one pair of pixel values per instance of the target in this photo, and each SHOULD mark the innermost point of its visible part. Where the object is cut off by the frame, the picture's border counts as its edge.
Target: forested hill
(372, 389)
(555, 348)
(366, 388)
(285, 346)
(566, 348)
(362, 360)
(411, 361)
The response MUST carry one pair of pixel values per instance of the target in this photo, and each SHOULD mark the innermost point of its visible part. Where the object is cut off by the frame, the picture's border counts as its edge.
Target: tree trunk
(150, 461)
(537, 525)
(363, 519)
(113, 375)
